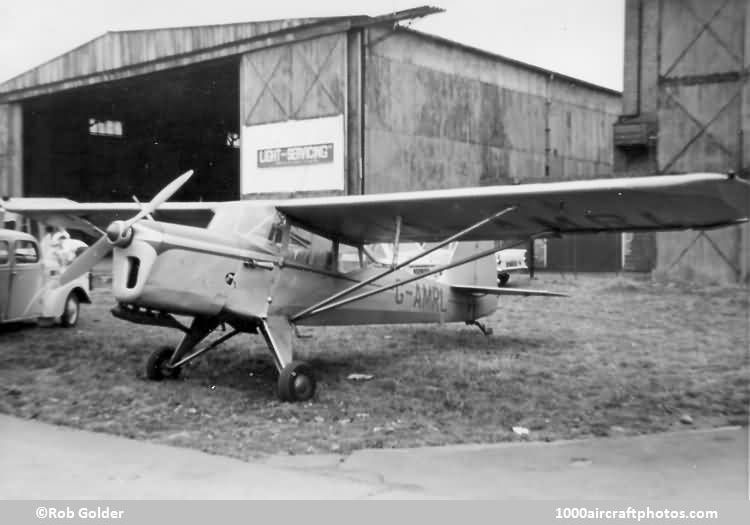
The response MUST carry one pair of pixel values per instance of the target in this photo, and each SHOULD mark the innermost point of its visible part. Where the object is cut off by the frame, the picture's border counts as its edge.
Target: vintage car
(29, 291)
(509, 261)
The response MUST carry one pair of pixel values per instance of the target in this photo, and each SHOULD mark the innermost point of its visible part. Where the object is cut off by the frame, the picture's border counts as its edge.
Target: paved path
(39, 460)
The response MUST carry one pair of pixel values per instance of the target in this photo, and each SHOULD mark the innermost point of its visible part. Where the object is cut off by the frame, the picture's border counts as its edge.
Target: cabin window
(105, 128)
(26, 252)
(310, 249)
(4, 252)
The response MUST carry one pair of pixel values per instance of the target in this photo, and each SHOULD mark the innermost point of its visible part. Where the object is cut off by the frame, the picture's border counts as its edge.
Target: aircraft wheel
(69, 317)
(296, 382)
(156, 365)
(503, 278)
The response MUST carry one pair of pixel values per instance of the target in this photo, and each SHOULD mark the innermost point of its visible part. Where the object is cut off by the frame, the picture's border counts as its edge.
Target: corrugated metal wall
(442, 116)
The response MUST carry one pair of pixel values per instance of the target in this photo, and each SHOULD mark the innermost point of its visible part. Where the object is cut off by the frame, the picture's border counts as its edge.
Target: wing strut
(329, 305)
(396, 242)
(394, 267)
(308, 311)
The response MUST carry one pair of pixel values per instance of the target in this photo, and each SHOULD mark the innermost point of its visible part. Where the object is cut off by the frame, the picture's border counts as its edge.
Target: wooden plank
(353, 115)
(11, 150)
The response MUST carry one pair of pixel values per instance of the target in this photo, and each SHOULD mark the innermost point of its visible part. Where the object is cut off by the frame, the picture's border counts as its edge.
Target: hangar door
(108, 142)
(293, 106)
(703, 84)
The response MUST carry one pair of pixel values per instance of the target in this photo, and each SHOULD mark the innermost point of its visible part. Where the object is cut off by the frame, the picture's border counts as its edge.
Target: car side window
(26, 252)
(4, 252)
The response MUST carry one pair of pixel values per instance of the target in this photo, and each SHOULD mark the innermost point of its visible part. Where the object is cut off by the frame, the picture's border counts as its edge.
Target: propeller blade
(148, 215)
(84, 262)
(159, 199)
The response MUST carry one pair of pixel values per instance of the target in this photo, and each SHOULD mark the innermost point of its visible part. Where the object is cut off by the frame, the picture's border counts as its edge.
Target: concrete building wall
(685, 109)
(440, 115)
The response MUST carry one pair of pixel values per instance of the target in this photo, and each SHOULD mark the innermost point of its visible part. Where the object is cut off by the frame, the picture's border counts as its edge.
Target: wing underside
(667, 202)
(628, 204)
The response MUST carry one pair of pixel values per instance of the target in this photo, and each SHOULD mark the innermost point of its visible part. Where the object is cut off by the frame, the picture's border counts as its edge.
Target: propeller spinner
(119, 233)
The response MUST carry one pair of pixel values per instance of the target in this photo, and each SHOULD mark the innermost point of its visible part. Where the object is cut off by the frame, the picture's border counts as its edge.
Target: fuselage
(217, 272)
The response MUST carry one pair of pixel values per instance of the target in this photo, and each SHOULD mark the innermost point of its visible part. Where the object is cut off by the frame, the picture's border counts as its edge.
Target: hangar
(343, 105)
(686, 107)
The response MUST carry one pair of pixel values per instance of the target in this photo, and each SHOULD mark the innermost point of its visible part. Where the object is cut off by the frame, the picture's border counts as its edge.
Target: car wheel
(69, 317)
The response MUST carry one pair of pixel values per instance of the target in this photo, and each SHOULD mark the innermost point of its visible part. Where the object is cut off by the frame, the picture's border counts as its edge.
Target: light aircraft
(269, 266)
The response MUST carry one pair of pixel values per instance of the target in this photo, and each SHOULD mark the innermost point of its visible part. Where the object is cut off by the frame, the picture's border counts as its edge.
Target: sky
(579, 38)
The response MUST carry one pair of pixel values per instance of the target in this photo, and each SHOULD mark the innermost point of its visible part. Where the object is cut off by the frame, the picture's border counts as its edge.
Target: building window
(105, 128)
(233, 140)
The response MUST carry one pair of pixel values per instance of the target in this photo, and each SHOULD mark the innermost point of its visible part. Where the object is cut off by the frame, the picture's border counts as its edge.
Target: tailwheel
(156, 365)
(296, 382)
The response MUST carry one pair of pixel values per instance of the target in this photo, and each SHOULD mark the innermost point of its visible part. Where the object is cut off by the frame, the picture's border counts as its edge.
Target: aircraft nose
(119, 234)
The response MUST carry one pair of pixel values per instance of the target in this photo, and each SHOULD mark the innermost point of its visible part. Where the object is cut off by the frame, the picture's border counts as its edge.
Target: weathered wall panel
(302, 80)
(298, 81)
(693, 67)
(442, 116)
(11, 150)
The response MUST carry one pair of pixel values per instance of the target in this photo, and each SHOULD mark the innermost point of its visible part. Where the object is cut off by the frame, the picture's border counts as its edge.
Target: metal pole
(531, 258)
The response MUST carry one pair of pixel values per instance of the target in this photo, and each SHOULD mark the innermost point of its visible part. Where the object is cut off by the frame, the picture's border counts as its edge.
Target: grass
(620, 357)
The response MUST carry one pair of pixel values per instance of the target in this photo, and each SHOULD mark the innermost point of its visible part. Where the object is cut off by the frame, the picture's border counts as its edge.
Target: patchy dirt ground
(620, 356)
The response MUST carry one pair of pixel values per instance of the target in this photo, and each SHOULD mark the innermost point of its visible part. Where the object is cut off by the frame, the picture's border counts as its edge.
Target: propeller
(119, 233)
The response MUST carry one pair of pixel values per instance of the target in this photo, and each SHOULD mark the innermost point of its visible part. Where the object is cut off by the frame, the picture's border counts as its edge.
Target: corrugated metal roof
(125, 53)
(121, 49)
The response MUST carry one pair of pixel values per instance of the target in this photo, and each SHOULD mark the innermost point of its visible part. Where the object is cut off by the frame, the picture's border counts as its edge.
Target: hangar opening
(111, 141)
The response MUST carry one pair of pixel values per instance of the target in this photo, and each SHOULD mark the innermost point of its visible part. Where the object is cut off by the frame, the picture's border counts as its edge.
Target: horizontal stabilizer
(492, 290)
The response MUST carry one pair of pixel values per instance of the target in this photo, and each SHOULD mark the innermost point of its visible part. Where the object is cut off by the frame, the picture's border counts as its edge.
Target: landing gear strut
(486, 330)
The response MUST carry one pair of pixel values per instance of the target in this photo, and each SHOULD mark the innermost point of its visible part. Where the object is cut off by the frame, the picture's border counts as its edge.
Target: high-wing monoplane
(269, 266)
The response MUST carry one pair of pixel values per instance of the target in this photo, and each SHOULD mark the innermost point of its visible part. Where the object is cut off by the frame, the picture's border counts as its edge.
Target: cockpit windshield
(261, 224)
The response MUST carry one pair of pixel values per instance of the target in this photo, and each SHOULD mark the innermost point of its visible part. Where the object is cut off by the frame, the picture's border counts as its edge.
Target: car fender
(54, 296)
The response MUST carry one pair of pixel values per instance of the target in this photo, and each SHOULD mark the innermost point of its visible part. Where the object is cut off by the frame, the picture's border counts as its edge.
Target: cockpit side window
(310, 249)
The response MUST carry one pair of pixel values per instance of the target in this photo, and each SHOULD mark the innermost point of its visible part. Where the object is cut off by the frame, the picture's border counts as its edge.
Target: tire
(71, 311)
(296, 382)
(503, 278)
(156, 369)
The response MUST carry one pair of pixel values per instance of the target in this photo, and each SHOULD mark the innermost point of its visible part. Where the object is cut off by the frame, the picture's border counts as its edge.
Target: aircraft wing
(84, 216)
(665, 202)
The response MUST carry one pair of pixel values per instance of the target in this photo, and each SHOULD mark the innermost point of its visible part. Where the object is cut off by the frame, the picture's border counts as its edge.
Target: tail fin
(481, 272)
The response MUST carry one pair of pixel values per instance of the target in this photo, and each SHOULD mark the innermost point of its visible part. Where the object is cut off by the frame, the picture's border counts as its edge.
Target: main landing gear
(296, 380)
